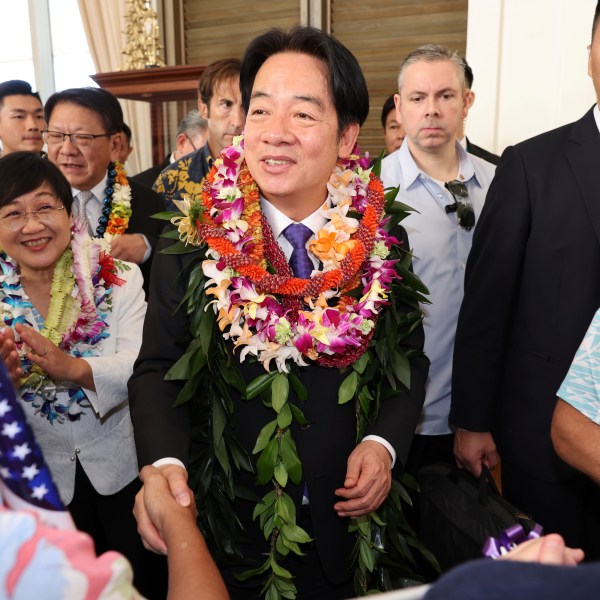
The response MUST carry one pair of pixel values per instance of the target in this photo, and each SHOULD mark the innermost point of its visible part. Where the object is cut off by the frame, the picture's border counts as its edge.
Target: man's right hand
(176, 479)
(472, 448)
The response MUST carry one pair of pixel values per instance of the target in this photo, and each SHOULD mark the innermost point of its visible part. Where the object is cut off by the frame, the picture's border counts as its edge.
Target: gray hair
(433, 53)
(192, 122)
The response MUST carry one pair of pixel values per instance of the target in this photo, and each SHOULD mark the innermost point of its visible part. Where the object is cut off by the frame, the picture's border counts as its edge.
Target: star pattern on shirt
(4, 407)
(21, 451)
(30, 472)
(23, 471)
(11, 430)
(39, 491)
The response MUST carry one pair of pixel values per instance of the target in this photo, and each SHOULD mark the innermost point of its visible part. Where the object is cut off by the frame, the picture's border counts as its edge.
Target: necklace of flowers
(80, 298)
(116, 206)
(276, 315)
(262, 308)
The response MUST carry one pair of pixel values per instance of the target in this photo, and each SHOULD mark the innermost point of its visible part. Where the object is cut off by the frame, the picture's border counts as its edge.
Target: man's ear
(348, 140)
(115, 145)
(180, 142)
(203, 109)
(470, 94)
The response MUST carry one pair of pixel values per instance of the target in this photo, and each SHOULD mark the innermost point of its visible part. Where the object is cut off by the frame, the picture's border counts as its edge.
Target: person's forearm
(192, 571)
(576, 439)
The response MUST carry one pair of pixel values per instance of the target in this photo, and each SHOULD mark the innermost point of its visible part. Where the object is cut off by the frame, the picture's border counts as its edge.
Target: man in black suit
(301, 117)
(531, 290)
(191, 135)
(84, 137)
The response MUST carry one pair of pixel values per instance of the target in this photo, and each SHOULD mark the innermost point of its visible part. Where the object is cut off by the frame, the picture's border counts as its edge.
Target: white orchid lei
(278, 316)
(76, 322)
(246, 287)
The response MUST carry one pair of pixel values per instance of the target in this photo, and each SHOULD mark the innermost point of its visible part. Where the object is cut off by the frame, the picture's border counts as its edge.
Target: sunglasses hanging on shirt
(462, 204)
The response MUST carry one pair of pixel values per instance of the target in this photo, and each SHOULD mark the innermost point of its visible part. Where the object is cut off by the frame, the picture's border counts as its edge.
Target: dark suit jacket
(482, 153)
(144, 204)
(531, 290)
(324, 446)
(501, 579)
(149, 176)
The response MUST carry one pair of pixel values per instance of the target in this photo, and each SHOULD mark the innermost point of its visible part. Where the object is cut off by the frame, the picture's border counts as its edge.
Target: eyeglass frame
(73, 138)
(189, 139)
(463, 208)
(24, 216)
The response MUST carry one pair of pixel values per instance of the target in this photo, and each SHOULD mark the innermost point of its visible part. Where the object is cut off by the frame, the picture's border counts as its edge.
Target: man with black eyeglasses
(446, 187)
(83, 139)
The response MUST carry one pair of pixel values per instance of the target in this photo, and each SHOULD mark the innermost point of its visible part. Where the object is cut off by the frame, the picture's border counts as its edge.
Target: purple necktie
(297, 235)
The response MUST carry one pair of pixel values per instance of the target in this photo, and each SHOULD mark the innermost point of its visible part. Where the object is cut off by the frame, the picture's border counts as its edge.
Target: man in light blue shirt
(447, 188)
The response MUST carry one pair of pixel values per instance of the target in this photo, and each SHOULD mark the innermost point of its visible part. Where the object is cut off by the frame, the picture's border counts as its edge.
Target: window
(69, 52)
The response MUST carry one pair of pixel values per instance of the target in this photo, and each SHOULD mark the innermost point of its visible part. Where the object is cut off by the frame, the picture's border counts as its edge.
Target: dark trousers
(110, 522)
(309, 578)
(571, 507)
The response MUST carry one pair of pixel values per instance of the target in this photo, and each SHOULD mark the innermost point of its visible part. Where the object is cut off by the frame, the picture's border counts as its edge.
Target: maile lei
(80, 299)
(116, 205)
(246, 287)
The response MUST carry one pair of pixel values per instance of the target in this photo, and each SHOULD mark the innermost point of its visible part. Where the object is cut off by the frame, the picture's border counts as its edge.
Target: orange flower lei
(116, 209)
(274, 314)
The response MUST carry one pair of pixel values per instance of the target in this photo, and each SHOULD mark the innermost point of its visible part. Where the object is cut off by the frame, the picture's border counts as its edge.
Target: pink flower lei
(279, 316)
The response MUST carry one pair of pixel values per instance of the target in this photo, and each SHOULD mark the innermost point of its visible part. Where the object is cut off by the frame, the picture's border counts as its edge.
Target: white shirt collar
(279, 221)
(97, 190)
(597, 116)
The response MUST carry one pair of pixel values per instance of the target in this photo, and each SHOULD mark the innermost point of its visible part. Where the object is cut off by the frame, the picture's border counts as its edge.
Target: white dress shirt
(93, 211)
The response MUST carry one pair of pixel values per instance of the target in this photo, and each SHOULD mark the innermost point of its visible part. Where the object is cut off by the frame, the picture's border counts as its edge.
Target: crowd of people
(256, 376)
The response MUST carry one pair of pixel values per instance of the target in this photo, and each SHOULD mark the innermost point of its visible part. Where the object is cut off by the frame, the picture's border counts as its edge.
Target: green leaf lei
(385, 542)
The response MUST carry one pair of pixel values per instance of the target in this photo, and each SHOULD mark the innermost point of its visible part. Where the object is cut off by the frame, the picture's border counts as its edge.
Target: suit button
(71, 458)
(77, 451)
(305, 427)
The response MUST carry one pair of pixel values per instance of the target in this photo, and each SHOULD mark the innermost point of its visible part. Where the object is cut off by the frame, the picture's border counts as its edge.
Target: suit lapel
(583, 155)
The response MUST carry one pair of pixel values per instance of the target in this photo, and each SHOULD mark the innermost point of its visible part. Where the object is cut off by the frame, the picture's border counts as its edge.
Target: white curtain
(104, 25)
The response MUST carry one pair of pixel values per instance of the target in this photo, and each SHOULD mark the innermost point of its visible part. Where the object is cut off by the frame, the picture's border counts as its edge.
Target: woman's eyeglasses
(465, 214)
(15, 220)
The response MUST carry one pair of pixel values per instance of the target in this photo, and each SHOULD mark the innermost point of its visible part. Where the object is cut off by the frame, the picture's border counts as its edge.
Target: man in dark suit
(191, 135)
(301, 118)
(83, 137)
(531, 290)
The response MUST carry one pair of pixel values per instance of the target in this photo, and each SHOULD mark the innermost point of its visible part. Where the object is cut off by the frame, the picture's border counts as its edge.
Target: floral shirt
(37, 561)
(184, 177)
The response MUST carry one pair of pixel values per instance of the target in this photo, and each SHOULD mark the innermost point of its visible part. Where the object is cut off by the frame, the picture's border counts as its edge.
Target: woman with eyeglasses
(74, 315)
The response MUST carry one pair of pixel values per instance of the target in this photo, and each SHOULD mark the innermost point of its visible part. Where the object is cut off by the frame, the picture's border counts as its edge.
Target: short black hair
(24, 172)
(347, 83)
(102, 102)
(388, 105)
(596, 18)
(16, 87)
(468, 75)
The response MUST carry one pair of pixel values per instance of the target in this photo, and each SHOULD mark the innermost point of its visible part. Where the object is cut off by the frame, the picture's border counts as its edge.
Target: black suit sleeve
(492, 282)
(399, 413)
(161, 430)
(145, 203)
